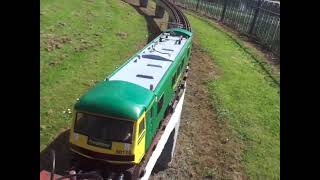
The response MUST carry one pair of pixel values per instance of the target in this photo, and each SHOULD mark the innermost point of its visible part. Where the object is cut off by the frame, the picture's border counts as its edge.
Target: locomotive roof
(126, 93)
(149, 65)
(117, 99)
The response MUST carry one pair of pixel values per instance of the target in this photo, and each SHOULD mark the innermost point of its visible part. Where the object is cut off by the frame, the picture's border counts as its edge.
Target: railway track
(180, 19)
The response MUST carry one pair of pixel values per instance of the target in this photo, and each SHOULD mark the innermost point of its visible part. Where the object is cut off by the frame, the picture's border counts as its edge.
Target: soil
(53, 42)
(205, 148)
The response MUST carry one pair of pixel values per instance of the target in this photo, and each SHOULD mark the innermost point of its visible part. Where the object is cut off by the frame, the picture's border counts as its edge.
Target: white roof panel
(153, 63)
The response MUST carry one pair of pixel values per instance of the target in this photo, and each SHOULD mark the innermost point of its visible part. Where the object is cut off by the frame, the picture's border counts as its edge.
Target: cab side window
(141, 127)
(160, 103)
(174, 79)
(182, 62)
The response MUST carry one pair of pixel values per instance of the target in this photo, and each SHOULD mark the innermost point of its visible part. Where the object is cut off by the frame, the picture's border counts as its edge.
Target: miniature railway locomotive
(117, 119)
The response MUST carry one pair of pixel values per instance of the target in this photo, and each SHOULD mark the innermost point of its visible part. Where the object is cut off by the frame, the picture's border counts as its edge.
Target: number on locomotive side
(122, 152)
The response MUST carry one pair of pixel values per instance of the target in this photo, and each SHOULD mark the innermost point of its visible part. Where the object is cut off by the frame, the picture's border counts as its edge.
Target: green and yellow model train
(117, 119)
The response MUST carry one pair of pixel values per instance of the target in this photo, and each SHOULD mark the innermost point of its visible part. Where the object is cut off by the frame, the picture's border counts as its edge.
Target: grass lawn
(81, 42)
(245, 98)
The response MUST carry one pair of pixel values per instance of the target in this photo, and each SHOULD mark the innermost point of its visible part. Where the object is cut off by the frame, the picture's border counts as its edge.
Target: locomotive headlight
(76, 136)
(78, 116)
(127, 146)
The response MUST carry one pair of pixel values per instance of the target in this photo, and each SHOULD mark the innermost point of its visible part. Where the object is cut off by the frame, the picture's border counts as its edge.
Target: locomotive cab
(109, 123)
(108, 138)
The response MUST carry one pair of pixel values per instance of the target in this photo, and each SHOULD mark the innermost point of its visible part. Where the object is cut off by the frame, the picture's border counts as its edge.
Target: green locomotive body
(116, 120)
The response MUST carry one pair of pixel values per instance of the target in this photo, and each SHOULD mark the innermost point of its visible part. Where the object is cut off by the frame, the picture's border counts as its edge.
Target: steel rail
(178, 15)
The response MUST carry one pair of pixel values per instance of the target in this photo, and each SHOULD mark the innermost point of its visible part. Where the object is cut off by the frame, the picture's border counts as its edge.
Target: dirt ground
(205, 148)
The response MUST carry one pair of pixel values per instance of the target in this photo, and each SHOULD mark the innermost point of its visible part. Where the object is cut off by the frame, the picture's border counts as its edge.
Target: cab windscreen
(103, 128)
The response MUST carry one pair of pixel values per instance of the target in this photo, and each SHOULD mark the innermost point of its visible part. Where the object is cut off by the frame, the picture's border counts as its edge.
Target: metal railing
(258, 19)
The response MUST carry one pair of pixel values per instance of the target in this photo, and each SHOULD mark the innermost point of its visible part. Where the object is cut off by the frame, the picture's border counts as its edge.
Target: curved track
(180, 19)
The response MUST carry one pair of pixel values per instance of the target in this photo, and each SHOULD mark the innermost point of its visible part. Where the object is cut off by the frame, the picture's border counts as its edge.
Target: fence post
(197, 5)
(256, 13)
(224, 10)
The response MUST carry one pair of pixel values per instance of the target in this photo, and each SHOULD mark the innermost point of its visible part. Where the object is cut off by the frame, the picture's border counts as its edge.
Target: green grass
(79, 45)
(245, 98)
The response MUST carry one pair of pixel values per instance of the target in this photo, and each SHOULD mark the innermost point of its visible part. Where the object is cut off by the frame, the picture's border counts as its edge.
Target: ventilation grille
(154, 65)
(144, 76)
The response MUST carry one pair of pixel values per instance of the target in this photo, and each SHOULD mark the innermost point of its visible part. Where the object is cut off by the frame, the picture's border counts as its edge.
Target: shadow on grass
(153, 28)
(61, 147)
(259, 62)
(63, 157)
